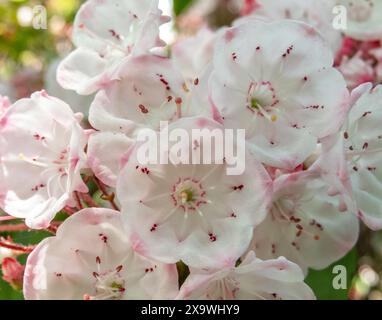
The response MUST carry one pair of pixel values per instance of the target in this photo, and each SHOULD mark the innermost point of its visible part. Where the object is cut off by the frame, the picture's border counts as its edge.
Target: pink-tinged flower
(362, 136)
(78, 103)
(192, 55)
(311, 220)
(4, 105)
(315, 13)
(253, 279)
(105, 33)
(42, 155)
(105, 153)
(149, 90)
(91, 258)
(13, 272)
(363, 17)
(276, 80)
(202, 213)
(357, 70)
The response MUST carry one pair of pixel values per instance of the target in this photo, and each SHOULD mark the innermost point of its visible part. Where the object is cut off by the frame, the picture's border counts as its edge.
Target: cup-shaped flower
(276, 80)
(315, 13)
(105, 33)
(253, 279)
(150, 89)
(41, 158)
(362, 137)
(192, 210)
(91, 258)
(311, 220)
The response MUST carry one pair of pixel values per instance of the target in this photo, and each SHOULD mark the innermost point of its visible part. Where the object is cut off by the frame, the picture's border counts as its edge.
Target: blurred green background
(25, 54)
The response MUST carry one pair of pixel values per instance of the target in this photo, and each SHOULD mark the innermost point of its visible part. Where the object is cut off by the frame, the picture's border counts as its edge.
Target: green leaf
(26, 238)
(183, 272)
(321, 282)
(7, 292)
(181, 5)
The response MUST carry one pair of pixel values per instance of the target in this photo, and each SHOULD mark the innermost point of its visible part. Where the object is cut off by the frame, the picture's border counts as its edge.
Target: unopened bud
(13, 272)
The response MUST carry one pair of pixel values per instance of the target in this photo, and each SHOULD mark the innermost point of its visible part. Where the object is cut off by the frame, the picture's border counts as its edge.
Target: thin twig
(22, 227)
(14, 246)
(13, 227)
(52, 229)
(7, 218)
(89, 200)
(105, 194)
(69, 211)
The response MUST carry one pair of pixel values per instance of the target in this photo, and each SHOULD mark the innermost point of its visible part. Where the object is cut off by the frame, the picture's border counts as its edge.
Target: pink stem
(14, 246)
(69, 211)
(89, 200)
(13, 227)
(78, 200)
(7, 218)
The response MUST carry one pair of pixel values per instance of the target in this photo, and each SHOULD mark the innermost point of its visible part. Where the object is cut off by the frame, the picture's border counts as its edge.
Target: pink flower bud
(13, 272)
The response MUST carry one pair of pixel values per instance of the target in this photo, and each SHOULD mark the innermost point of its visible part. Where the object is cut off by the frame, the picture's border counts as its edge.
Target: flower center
(262, 100)
(109, 285)
(188, 194)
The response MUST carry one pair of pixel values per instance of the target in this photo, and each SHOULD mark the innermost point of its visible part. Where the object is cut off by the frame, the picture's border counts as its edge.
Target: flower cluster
(307, 97)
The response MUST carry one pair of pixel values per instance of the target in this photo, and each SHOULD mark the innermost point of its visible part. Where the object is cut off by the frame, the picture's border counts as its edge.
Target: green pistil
(187, 195)
(116, 285)
(255, 104)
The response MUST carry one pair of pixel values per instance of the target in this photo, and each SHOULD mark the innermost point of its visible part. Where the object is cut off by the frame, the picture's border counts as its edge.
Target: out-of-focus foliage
(367, 283)
(25, 238)
(181, 5)
(322, 281)
(21, 45)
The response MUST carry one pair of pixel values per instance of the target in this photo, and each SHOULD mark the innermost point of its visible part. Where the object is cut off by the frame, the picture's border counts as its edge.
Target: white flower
(77, 102)
(315, 13)
(276, 80)
(105, 153)
(105, 33)
(91, 258)
(362, 136)
(311, 220)
(364, 19)
(192, 212)
(253, 279)
(193, 54)
(149, 90)
(42, 154)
